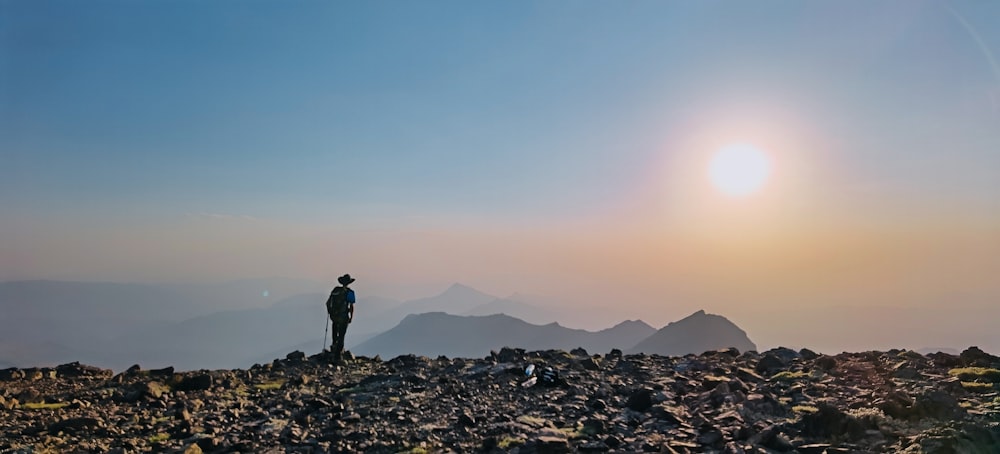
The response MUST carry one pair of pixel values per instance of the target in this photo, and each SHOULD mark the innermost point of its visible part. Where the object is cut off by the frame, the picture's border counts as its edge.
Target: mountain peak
(458, 289)
(696, 333)
(633, 324)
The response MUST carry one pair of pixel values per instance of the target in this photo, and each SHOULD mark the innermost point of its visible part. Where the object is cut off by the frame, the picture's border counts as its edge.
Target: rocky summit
(721, 401)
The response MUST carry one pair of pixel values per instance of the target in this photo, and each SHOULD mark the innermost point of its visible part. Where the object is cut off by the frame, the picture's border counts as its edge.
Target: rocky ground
(724, 401)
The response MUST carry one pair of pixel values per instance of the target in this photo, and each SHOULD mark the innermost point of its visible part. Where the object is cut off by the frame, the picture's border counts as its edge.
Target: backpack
(336, 305)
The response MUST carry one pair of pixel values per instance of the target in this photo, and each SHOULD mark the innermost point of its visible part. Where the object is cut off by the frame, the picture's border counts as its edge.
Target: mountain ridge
(440, 333)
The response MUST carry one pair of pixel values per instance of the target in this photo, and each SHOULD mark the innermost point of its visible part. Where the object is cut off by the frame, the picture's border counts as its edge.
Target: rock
(904, 371)
(748, 375)
(945, 360)
(164, 372)
(10, 404)
(592, 364)
(786, 354)
(11, 373)
(547, 445)
(807, 354)
(593, 446)
(975, 357)
(826, 362)
(713, 402)
(153, 389)
(768, 364)
(197, 382)
(594, 427)
(73, 425)
(467, 420)
(597, 404)
(75, 369)
(814, 448)
(295, 356)
(828, 421)
(668, 415)
(937, 404)
(711, 436)
(961, 438)
(32, 373)
(509, 355)
(710, 382)
(30, 396)
(763, 404)
(640, 400)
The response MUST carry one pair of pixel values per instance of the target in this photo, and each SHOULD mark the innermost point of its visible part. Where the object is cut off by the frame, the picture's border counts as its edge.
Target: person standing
(340, 308)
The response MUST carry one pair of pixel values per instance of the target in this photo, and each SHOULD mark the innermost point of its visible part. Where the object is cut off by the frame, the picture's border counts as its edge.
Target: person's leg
(341, 332)
(333, 336)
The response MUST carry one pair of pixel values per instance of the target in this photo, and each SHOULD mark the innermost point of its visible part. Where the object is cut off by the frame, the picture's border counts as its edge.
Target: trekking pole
(326, 329)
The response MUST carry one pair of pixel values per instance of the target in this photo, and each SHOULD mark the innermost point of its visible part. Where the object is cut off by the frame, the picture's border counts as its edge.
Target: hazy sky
(544, 147)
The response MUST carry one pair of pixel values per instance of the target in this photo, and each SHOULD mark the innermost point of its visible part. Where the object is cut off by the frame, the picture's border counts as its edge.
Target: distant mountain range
(117, 325)
(438, 333)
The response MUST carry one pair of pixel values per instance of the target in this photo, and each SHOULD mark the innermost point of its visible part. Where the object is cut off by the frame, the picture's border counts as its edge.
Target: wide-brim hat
(345, 279)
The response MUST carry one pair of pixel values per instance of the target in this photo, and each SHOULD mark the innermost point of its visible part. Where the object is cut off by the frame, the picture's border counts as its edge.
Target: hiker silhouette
(340, 308)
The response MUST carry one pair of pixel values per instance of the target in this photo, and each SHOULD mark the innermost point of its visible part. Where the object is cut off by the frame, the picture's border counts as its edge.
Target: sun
(739, 170)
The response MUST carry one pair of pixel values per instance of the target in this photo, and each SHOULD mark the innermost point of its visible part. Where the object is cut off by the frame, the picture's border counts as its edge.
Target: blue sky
(514, 146)
(531, 108)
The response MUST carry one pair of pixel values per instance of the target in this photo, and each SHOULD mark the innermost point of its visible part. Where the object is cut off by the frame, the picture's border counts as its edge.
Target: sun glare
(739, 170)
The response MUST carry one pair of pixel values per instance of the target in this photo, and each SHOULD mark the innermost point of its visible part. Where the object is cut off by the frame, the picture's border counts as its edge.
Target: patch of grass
(789, 376)
(415, 451)
(976, 387)
(584, 431)
(44, 406)
(158, 438)
(804, 409)
(509, 442)
(276, 384)
(981, 374)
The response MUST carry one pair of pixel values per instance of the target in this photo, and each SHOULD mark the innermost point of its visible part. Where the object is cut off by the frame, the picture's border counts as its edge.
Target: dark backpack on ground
(336, 305)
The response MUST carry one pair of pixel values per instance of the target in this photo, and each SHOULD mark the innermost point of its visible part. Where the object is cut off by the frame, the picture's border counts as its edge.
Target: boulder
(11, 373)
(197, 382)
(975, 357)
(75, 370)
(640, 400)
(769, 363)
(826, 362)
(74, 425)
(938, 405)
(829, 421)
(592, 364)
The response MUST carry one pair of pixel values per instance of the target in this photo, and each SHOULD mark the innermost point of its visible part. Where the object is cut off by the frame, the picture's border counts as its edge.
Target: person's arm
(350, 305)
